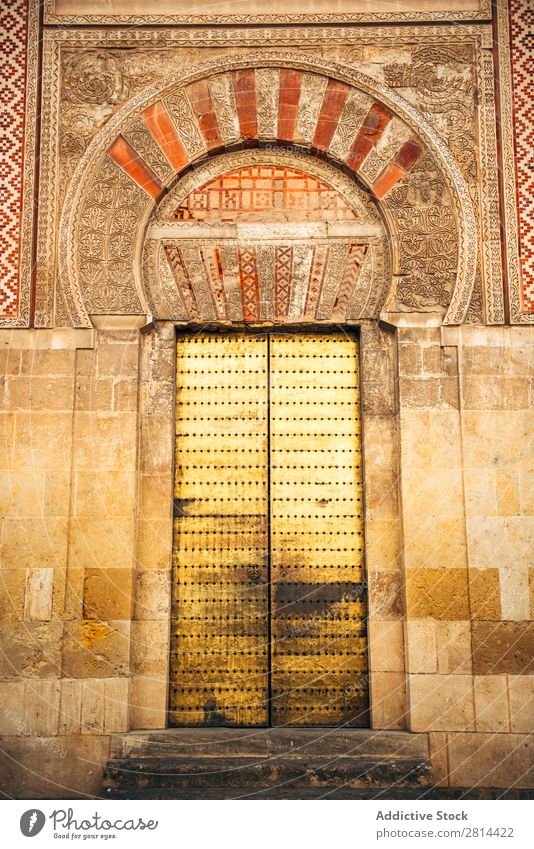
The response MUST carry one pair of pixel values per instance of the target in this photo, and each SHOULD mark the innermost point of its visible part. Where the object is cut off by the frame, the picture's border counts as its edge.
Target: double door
(268, 600)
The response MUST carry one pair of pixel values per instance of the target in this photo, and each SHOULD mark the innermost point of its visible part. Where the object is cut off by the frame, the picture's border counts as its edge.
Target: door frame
(149, 696)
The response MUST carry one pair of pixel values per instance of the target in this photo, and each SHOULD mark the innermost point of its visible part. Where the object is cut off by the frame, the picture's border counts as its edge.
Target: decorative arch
(309, 108)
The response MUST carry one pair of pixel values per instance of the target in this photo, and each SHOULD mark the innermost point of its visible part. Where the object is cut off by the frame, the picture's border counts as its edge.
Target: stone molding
(484, 12)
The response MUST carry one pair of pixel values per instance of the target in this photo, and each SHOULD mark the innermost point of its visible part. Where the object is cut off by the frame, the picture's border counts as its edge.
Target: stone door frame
(154, 532)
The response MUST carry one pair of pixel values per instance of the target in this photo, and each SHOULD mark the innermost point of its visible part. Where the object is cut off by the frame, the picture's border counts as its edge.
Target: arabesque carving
(459, 195)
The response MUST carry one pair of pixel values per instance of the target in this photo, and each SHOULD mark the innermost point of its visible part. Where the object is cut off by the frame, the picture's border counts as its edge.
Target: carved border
(491, 248)
(509, 185)
(238, 38)
(482, 13)
(29, 172)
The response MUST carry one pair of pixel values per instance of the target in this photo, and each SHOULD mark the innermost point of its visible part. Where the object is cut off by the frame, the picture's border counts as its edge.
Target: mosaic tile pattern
(282, 193)
(522, 35)
(13, 35)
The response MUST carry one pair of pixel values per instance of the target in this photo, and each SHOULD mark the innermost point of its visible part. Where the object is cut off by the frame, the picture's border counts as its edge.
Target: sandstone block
(12, 590)
(388, 700)
(437, 741)
(108, 493)
(107, 594)
(491, 760)
(491, 703)
(96, 649)
(437, 594)
(27, 543)
(150, 648)
(39, 594)
(52, 767)
(41, 708)
(485, 594)
(521, 694)
(117, 703)
(30, 650)
(385, 595)
(101, 543)
(421, 646)
(148, 703)
(386, 646)
(506, 647)
(441, 703)
(152, 594)
(454, 648)
(11, 707)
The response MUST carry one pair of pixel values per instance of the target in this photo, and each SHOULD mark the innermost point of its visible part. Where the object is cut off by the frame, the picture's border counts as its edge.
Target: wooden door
(220, 614)
(268, 616)
(319, 646)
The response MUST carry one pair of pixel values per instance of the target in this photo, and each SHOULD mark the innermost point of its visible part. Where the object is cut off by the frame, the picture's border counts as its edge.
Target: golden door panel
(268, 431)
(319, 647)
(219, 638)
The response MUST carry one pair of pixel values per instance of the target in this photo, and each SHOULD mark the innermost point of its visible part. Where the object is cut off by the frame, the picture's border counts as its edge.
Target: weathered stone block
(39, 594)
(104, 494)
(421, 646)
(11, 707)
(41, 709)
(503, 647)
(152, 594)
(148, 702)
(118, 360)
(441, 703)
(386, 646)
(437, 742)
(491, 703)
(107, 594)
(454, 648)
(491, 760)
(150, 648)
(96, 649)
(437, 593)
(385, 594)
(12, 591)
(45, 768)
(484, 594)
(31, 650)
(388, 700)
(101, 543)
(521, 695)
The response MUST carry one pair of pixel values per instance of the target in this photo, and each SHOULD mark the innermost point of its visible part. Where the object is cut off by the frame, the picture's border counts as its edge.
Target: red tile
(201, 102)
(409, 154)
(163, 131)
(374, 124)
(245, 95)
(334, 100)
(389, 177)
(290, 86)
(126, 158)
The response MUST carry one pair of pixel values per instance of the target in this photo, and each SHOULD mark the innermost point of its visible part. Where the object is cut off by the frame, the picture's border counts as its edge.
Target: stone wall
(86, 429)
(86, 453)
(467, 415)
(69, 472)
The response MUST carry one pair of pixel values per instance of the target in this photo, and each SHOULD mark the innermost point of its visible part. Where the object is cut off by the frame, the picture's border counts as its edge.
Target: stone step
(269, 742)
(171, 774)
(303, 794)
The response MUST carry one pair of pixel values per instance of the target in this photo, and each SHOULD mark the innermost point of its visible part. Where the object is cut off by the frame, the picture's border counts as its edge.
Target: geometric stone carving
(250, 237)
(196, 117)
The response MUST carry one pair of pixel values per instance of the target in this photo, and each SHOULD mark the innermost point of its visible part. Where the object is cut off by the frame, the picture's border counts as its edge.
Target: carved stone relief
(304, 266)
(115, 87)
